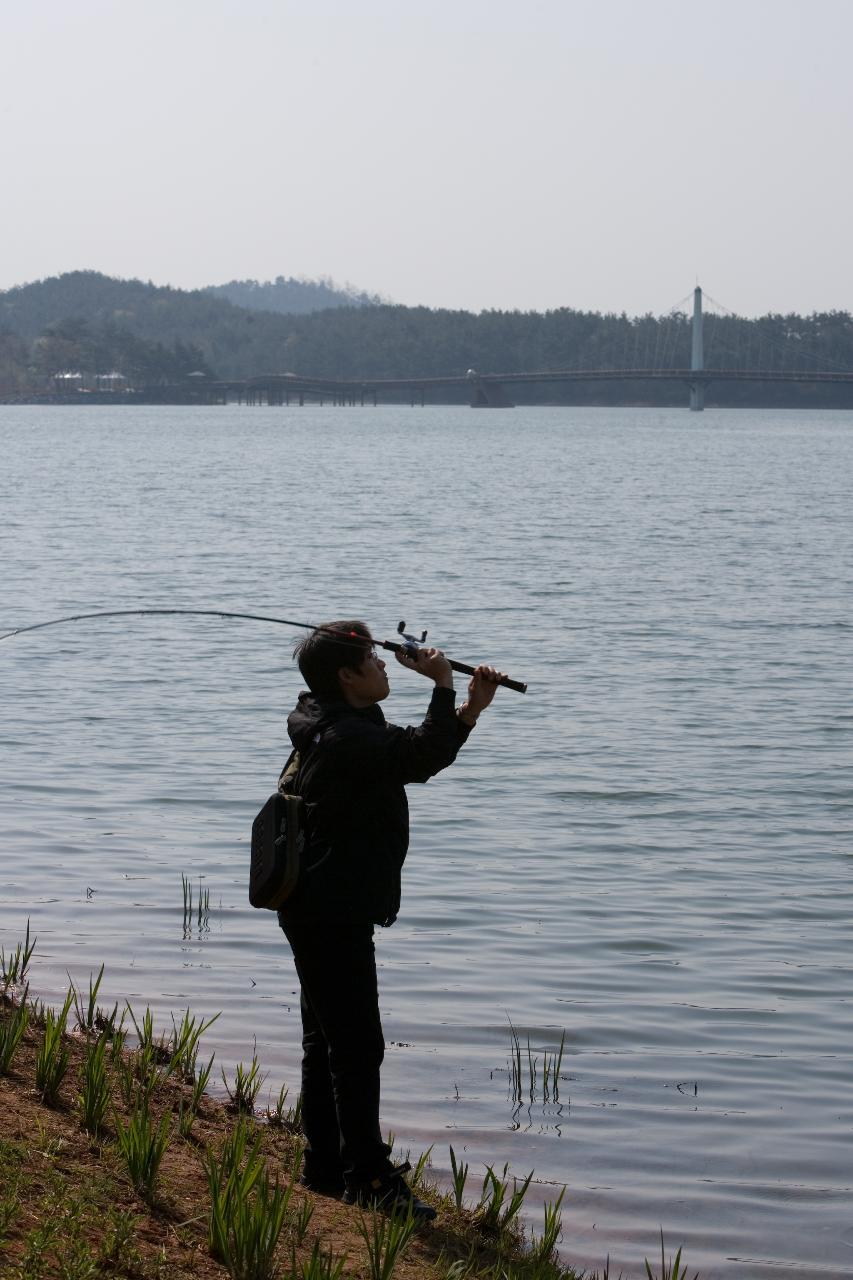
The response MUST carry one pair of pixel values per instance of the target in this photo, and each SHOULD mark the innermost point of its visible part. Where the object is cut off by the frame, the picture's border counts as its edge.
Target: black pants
(342, 1049)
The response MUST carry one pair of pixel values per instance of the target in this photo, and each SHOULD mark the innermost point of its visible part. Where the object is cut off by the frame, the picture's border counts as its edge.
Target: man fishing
(352, 775)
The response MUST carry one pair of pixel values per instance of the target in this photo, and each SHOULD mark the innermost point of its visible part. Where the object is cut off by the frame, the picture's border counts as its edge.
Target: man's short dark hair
(323, 653)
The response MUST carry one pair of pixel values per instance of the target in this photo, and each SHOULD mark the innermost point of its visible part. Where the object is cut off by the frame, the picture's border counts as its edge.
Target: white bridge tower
(697, 361)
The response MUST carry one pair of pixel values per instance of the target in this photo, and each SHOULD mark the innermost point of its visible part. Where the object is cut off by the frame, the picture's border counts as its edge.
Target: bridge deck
(297, 383)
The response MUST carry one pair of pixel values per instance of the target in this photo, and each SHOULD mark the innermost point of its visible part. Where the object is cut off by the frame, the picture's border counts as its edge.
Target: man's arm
(481, 689)
(435, 744)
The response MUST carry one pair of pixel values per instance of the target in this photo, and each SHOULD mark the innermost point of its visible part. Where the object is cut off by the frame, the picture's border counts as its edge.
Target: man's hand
(481, 690)
(431, 663)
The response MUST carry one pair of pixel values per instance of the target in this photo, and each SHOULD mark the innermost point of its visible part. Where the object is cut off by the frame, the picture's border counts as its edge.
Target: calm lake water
(650, 852)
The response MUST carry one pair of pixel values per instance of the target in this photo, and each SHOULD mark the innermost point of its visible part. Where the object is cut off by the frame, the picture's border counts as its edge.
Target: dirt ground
(68, 1208)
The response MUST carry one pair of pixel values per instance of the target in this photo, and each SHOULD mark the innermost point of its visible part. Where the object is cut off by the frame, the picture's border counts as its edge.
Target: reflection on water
(650, 852)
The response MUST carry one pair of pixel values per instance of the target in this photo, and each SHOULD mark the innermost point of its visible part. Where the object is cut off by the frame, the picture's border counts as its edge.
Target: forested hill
(87, 321)
(291, 297)
(92, 324)
(158, 311)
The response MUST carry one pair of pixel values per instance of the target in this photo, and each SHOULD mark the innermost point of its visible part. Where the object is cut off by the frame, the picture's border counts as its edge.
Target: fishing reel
(411, 644)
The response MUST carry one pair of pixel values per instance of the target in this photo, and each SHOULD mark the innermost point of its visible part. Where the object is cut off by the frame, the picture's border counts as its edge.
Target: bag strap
(295, 761)
(287, 777)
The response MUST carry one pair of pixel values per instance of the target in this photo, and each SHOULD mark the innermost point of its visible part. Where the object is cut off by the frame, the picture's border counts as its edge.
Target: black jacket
(352, 778)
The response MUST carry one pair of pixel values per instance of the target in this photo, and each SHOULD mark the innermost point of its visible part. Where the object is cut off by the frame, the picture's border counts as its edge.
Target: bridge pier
(488, 394)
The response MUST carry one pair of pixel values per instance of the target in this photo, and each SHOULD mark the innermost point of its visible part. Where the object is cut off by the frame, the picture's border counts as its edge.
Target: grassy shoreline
(114, 1161)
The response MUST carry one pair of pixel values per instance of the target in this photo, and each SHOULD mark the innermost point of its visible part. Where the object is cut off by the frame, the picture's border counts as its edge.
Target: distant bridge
(488, 390)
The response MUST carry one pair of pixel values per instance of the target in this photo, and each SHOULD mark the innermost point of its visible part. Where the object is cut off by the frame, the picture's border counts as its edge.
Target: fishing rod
(408, 645)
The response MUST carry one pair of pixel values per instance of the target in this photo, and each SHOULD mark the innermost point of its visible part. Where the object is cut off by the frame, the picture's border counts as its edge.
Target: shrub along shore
(115, 1161)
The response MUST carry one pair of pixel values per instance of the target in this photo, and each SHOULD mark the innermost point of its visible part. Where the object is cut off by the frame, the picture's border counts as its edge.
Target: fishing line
(408, 645)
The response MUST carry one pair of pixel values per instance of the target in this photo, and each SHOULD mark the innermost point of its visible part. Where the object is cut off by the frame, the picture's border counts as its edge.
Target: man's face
(367, 684)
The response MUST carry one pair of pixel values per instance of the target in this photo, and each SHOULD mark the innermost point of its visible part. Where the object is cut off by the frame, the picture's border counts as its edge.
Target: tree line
(153, 335)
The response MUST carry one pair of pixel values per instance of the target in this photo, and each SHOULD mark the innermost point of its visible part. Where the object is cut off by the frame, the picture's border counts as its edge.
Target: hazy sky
(467, 153)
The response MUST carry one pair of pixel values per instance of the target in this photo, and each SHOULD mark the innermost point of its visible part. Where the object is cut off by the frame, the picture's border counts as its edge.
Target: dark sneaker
(390, 1192)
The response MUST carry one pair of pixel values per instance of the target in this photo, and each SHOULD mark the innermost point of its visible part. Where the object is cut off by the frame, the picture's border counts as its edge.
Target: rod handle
(462, 667)
(506, 682)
